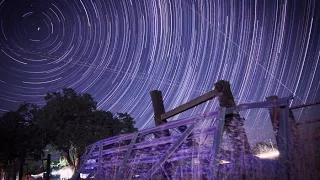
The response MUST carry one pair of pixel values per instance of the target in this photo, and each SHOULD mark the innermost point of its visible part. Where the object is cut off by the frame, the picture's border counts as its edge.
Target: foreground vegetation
(68, 121)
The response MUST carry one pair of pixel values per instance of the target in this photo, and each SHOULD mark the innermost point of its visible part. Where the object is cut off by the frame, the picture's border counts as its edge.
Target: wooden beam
(158, 108)
(201, 99)
(257, 105)
(48, 167)
(305, 105)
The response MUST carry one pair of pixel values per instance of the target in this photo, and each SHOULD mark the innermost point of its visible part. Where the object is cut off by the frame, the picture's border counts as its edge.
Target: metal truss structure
(191, 154)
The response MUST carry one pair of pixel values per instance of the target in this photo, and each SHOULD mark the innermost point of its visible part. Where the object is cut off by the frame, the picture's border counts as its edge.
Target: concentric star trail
(120, 50)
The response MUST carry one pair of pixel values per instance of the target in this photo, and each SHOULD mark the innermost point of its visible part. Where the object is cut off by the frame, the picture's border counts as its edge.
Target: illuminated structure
(165, 151)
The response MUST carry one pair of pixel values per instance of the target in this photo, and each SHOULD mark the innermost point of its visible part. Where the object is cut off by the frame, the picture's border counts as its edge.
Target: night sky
(120, 50)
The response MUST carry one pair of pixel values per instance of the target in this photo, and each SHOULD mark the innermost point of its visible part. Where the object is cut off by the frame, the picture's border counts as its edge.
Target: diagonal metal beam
(214, 163)
(184, 136)
(126, 157)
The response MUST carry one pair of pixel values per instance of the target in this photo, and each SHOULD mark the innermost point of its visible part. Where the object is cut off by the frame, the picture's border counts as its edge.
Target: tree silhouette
(68, 121)
(20, 136)
(71, 122)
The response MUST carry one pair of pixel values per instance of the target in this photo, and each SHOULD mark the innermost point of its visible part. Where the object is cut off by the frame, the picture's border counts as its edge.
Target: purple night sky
(120, 50)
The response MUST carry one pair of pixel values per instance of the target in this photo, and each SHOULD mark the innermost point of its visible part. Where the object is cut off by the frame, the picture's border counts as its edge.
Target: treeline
(68, 121)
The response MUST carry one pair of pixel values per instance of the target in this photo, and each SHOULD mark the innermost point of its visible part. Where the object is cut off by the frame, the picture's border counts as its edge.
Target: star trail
(120, 50)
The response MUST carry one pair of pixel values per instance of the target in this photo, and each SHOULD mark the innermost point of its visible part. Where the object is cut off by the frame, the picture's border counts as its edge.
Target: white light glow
(65, 173)
(269, 155)
(83, 176)
(37, 175)
(196, 161)
(224, 162)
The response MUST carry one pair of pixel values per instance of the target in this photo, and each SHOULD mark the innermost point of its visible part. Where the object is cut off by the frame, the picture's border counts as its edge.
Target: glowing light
(40, 175)
(83, 176)
(65, 173)
(269, 155)
(196, 161)
(224, 162)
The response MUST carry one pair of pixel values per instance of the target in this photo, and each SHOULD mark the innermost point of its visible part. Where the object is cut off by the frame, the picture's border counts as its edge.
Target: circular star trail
(120, 50)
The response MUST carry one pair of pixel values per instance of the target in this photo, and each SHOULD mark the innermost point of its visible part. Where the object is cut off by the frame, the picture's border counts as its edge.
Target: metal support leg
(183, 137)
(126, 157)
(100, 169)
(214, 163)
(283, 144)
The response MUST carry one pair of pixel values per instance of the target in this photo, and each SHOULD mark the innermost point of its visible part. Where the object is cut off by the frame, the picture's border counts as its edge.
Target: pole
(158, 107)
(48, 166)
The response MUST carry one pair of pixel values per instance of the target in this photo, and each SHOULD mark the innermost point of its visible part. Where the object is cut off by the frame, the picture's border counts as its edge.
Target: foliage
(19, 134)
(68, 121)
(60, 163)
(71, 122)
